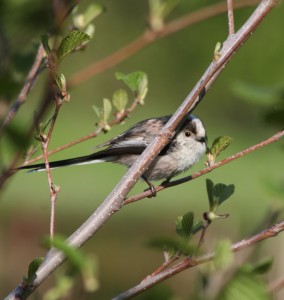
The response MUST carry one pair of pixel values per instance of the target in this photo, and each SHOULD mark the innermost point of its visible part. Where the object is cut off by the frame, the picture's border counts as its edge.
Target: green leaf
(74, 256)
(223, 254)
(256, 93)
(173, 245)
(84, 19)
(73, 40)
(45, 43)
(107, 107)
(92, 12)
(184, 225)
(263, 266)
(33, 267)
(244, 286)
(136, 81)
(159, 10)
(60, 82)
(97, 110)
(222, 192)
(197, 226)
(219, 145)
(210, 193)
(119, 100)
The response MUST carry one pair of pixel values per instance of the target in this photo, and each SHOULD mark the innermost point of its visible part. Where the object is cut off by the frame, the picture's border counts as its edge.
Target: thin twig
(206, 170)
(231, 22)
(119, 118)
(276, 286)
(194, 261)
(31, 78)
(114, 201)
(149, 37)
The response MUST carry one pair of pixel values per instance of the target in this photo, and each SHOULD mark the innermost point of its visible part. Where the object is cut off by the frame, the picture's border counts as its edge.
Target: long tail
(82, 160)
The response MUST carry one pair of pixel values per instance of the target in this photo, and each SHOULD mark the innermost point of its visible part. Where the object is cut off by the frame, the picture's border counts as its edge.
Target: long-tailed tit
(185, 149)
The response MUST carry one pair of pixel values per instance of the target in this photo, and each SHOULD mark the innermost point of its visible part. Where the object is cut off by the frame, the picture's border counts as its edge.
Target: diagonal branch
(190, 262)
(148, 37)
(114, 200)
(206, 170)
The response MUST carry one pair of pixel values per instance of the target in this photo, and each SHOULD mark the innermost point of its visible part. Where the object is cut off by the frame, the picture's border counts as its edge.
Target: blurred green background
(173, 65)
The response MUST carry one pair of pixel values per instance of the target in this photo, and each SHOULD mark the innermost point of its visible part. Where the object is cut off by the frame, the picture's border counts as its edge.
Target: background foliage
(237, 105)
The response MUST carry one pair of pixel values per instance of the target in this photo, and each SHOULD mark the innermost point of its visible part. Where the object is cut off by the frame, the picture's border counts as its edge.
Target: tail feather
(88, 159)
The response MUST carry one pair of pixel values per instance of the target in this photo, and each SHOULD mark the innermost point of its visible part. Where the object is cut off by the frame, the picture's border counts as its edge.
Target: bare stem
(114, 200)
(231, 23)
(192, 261)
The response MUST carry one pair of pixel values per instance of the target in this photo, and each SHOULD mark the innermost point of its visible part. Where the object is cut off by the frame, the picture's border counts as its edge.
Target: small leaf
(223, 254)
(33, 267)
(219, 145)
(210, 193)
(184, 225)
(97, 110)
(60, 82)
(92, 12)
(246, 287)
(107, 107)
(263, 266)
(73, 40)
(45, 43)
(132, 80)
(75, 256)
(197, 226)
(217, 53)
(222, 192)
(119, 100)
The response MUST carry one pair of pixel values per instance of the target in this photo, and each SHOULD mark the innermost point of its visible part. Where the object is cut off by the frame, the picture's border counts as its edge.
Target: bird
(186, 147)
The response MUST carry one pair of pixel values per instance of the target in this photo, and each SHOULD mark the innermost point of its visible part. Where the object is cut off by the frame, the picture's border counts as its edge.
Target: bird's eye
(187, 133)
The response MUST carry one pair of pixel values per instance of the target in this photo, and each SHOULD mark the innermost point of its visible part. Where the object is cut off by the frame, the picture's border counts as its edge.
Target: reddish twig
(31, 78)
(276, 286)
(149, 36)
(114, 201)
(119, 118)
(231, 23)
(190, 262)
(206, 170)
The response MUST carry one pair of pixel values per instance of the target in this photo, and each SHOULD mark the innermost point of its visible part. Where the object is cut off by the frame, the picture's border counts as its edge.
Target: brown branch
(194, 261)
(276, 286)
(114, 201)
(206, 170)
(149, 37)
(231, 24)
(31, 78)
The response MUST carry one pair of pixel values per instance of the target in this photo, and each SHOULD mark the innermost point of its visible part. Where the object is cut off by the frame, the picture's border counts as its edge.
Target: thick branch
(114, 201)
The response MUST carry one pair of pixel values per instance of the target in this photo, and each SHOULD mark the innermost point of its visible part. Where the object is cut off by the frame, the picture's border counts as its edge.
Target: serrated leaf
(73, 40)
(107, 107)
(33, 267)
(132, 80)
(222, 192)
(173, 245)
(210, 193)
(45, 43)
(197, 226)
(184, 225)
(223, 254)
(119, 100)
(219, 145)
